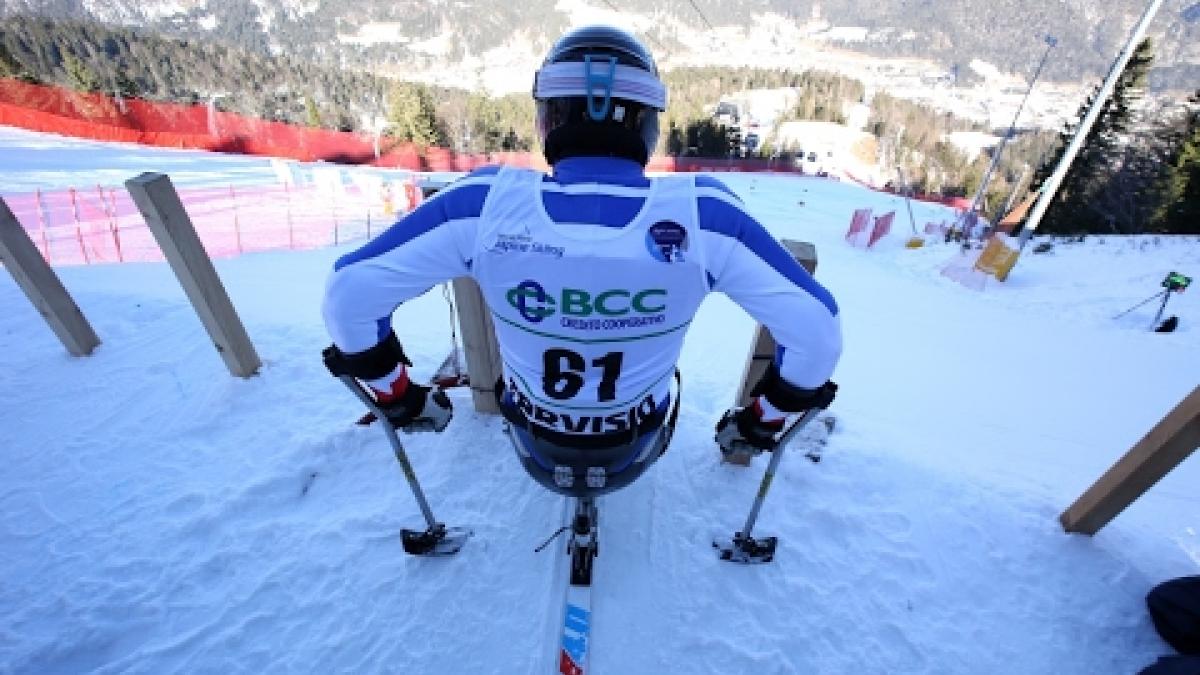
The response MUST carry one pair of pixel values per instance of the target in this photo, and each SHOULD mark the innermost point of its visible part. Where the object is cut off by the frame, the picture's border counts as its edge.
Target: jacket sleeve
(431, 245)
(755, 271)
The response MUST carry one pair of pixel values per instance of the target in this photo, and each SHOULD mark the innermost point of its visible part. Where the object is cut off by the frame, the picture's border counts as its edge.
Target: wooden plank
(762, 351)
(1171, 441)
(156, 198)
(43, 287)
(480, 347)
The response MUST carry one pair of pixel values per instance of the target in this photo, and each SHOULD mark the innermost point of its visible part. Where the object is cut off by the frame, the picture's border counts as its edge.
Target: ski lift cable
(701, 13)
(650, 37)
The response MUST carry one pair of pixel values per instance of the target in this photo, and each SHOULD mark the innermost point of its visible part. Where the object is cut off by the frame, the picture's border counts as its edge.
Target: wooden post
(762, 352)
(1166, 445)
(43, 287)
(479, 344)
(159, 204)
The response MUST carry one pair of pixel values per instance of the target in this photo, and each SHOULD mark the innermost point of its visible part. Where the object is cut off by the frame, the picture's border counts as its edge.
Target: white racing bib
(590, 319)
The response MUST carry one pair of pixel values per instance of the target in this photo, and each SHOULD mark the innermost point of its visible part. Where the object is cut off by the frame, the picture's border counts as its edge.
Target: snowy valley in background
(158, 515)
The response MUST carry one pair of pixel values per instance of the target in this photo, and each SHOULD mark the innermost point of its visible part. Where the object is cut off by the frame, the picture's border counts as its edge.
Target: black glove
(419, 408)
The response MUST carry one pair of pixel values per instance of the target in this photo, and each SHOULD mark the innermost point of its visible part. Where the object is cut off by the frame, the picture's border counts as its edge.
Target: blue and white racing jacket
(592, 277)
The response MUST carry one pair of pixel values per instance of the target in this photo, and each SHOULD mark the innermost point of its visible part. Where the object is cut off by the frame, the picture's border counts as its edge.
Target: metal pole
(397, 447)
(1050, 187)
(1142, 303)
(907, 201)
(78, 227)
(291, 234)
(237, 229)
(1051, 42)
(112, 222)
(776, 456)
(42, 223)
(1166, 297)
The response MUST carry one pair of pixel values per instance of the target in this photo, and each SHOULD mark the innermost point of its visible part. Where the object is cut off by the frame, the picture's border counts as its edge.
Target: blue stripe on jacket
(716, 215)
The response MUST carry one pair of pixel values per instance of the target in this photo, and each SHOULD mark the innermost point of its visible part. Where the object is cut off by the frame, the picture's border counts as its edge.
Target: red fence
(99, 117)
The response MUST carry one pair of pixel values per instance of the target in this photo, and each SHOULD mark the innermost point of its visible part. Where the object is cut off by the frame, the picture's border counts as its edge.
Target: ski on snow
(575, 630)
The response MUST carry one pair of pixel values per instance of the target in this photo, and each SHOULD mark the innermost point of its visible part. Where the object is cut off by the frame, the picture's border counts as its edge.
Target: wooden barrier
(43, 287)
(1170, 442)
(762, 351)
(159, 204)
(479, 344)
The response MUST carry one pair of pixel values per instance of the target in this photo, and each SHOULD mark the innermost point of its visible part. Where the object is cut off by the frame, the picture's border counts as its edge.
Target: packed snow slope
(158, 515)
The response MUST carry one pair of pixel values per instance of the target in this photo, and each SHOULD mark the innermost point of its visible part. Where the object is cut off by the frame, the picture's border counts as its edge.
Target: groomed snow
(158, 515)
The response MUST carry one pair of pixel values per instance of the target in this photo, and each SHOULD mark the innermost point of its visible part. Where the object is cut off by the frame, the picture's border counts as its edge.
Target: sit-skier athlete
(592, 275)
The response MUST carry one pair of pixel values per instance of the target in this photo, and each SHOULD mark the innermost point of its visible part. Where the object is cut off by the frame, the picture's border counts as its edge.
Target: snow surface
(157, 515)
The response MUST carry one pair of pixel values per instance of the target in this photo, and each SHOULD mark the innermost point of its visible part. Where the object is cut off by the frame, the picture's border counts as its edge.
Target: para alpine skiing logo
(666, 241)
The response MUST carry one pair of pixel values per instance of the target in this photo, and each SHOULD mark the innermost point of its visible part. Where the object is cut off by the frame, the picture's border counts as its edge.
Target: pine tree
(125, 86)
(311, 114)
(1178, 191)
(412, 117)
(707, 138)
(79, 76)
(675, 140)
(10, 67)
(1074, 208)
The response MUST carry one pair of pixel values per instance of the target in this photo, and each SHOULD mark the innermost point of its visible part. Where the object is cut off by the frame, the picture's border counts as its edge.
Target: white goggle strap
(600, 79)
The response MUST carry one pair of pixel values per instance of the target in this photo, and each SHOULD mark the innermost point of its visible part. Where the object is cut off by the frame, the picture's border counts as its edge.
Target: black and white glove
(407, 405)
(745, 427)
(756, 426)
(415, 407)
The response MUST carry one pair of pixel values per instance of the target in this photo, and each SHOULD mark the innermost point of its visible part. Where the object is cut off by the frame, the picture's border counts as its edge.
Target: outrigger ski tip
(435, 541)
(748, 550)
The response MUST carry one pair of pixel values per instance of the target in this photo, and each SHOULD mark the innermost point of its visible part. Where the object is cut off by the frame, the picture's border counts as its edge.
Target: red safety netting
(99, 117)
